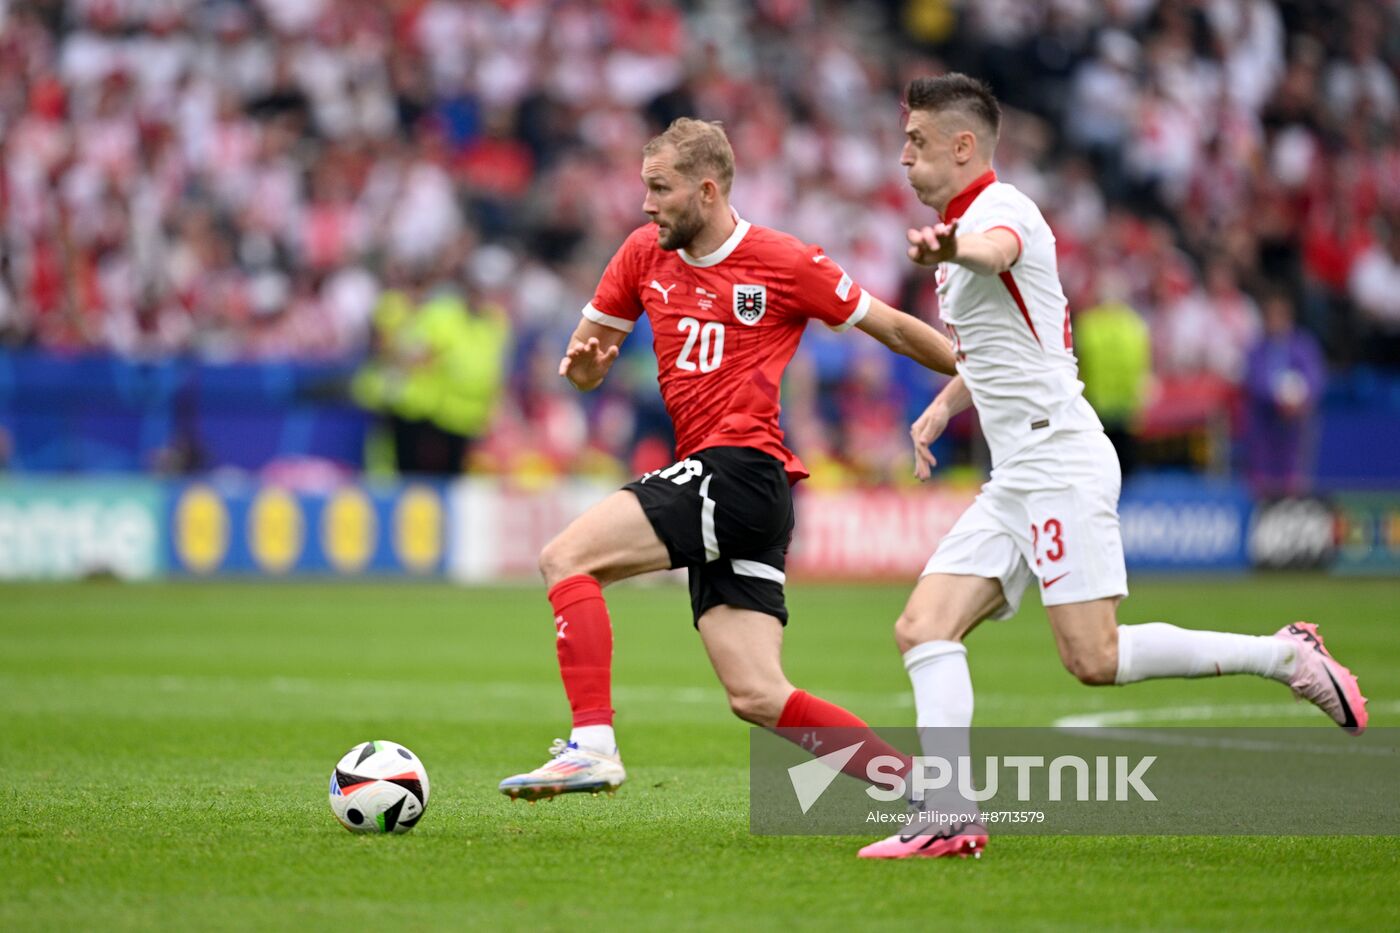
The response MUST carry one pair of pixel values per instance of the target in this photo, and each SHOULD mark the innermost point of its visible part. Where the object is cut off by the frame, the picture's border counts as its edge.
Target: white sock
(942, 683)
(595, 739)
(943, 708)
(1161, 650)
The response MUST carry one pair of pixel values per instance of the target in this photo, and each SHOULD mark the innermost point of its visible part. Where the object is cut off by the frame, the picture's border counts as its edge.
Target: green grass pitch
(166, 752)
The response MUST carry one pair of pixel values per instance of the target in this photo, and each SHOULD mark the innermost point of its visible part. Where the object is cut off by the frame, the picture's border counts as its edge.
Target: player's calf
(762, 707)
(1094, 668)
(1086, 634)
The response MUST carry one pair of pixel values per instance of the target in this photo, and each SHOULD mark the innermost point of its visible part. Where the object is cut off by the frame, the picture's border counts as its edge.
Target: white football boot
(570, 770)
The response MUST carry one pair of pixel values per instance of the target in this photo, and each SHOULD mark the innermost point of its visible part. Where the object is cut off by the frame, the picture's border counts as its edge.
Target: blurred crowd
(297, 178)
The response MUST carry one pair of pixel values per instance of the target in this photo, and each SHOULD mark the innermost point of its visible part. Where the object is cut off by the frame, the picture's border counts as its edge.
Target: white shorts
(1048, 514)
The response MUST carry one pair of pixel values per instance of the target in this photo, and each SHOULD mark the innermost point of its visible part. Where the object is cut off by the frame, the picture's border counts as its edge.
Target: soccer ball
(379, 787)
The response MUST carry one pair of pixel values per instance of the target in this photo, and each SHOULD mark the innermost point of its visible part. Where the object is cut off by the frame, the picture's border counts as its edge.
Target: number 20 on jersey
(704, 345)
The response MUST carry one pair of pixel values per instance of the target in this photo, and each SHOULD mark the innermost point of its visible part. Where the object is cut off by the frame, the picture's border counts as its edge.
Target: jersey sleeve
(616, 302)
(826, 292)
(1006, 214)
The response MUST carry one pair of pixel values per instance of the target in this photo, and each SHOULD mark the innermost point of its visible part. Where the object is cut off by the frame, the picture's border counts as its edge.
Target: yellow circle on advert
(201, 529)
(349, 530)
(276, 530)
(418, 529)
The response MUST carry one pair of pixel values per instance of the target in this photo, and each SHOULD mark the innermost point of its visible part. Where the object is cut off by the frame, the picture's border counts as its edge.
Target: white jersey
(1011, 331)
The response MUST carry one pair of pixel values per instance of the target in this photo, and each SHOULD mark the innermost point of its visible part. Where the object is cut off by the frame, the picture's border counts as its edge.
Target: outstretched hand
(585, 364)
(928, 246)
(926, 429)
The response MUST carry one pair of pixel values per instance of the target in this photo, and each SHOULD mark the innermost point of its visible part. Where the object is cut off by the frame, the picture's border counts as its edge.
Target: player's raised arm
(909, 336)
(989, 253)
(592, 350)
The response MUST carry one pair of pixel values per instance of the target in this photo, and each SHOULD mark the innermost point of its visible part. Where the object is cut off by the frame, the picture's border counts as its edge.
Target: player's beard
(682, 231)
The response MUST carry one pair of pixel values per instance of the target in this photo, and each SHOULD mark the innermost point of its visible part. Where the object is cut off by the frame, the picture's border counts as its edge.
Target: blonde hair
(702, 150)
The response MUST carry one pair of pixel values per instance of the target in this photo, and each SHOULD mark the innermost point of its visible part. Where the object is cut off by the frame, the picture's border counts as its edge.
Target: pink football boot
(1319, 678)
(961, 841)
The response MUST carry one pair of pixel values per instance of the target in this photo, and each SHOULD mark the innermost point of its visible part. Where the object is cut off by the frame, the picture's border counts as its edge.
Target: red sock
(804, 711)
(585, 647)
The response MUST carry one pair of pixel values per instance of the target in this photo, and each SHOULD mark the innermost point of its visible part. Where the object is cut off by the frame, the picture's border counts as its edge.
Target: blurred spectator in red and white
(235, 179)
(1209, 329)
(1375, 287)
(1332, 243)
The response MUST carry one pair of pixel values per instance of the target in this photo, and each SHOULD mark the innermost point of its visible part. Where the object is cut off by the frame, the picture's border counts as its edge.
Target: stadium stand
(243, 182)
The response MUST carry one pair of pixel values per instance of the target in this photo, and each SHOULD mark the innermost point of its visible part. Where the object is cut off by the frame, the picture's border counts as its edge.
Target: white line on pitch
(1167, 714)
(1102, 725)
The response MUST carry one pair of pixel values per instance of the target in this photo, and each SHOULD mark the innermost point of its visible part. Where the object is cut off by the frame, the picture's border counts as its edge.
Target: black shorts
(725, 513)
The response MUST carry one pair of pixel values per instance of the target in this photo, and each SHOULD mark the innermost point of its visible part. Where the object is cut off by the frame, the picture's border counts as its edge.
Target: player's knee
(1096, 667)
(914, 629)
(558, 561)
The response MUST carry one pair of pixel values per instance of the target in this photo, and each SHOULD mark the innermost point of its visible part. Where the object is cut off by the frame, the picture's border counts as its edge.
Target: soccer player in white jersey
(1049, 513)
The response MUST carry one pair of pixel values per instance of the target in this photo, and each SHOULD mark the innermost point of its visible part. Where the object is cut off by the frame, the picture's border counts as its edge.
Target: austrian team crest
(750, 301)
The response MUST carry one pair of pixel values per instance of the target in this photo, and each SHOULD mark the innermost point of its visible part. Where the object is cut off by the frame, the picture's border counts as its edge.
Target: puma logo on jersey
(665, 292)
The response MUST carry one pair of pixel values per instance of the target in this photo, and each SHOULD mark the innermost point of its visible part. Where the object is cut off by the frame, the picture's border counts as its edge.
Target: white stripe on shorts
(756, 568)
(707, 521)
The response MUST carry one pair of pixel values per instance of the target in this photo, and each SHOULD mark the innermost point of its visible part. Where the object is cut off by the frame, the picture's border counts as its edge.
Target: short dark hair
(955, 91)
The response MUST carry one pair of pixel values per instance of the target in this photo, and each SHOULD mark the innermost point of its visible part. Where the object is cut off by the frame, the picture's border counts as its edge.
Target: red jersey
(725, 327)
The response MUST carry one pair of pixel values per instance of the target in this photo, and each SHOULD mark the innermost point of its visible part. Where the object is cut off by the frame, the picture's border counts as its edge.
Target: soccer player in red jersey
(728, 302)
